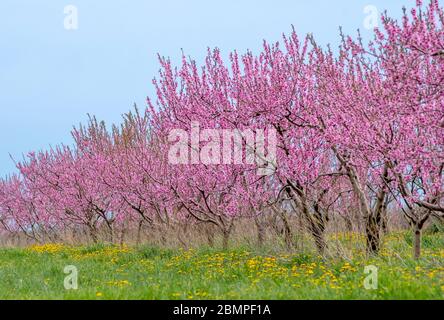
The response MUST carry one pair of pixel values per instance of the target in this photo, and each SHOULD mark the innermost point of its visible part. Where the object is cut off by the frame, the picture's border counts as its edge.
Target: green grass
(113, 272)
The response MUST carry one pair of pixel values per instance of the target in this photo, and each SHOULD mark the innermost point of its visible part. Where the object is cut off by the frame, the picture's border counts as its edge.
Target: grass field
(116, 272)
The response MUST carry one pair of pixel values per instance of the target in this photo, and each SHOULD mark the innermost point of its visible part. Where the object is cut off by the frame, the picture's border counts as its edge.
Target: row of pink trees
(361, 129)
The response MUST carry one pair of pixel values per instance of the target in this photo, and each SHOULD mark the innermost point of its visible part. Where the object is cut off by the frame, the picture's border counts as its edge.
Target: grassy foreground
(114, 272)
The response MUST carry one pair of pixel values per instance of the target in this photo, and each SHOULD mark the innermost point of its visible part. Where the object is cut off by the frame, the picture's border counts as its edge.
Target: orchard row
(358, 130)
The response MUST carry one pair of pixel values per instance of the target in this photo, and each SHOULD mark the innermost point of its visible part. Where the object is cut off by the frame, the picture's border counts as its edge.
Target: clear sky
(52, 77)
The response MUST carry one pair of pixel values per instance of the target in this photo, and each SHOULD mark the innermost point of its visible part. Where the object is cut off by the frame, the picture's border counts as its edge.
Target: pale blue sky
(50, 78)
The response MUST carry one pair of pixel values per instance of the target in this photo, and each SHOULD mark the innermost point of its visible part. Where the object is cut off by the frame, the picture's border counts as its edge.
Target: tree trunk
(384, 220)
(122, 235)
(348, 223)
(163, 238)
(316, 222)
(288, 234)
(225, 239)
(318, 235)
(260, 232)
(183, 241)
(111, 233)
(210, 235)
(317, 228)
(417, 243)
(93, 234)
(372, 221)
(139, 232)
(373, 235)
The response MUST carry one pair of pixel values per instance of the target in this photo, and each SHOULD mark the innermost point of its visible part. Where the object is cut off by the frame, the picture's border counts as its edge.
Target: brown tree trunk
(348, 223)
(225, 239)
(372, 222)
(317, 228)
(122, 235)
(260, 232)
(417, 243)
(384, 220)
(316, 221)
(163, 239)
(183, 241)
(139, 232)
(111, 233)
(318, 235)
(288, 234)
(209, 230)
(372, 229)
(93, 234)
(226, 231)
